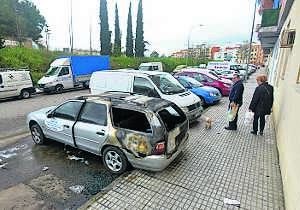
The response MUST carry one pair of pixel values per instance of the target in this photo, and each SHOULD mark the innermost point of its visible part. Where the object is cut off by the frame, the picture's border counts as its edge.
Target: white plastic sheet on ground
(73, 157)
(232, 202)
(77, 189)
(3, 165)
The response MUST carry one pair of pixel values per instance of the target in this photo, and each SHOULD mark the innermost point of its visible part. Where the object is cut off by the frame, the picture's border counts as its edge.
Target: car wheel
(25, 94)
(59, 88)
(114, 160)
(37, 134)
(86, 85)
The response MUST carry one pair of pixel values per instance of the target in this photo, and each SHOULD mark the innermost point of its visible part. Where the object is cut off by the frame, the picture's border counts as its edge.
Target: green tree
(139, 41)
(20, 19)
(1, 42)
(117, 43)
(129, 38)
(105, 34)
(154, 54)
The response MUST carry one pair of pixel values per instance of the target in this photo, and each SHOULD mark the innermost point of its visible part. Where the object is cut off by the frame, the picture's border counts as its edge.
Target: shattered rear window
(172, 116)
(132, 120)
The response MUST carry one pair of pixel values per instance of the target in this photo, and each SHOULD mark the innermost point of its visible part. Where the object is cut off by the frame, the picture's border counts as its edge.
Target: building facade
(257, 55)
(279, 34)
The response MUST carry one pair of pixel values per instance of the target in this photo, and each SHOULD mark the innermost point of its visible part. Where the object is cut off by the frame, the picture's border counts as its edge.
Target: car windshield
(167, 84)
(145, 68)
(193, 82)
(214, 76)
(52, 71)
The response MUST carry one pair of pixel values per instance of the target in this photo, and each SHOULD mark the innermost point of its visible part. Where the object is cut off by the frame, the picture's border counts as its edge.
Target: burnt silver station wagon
(148, 133)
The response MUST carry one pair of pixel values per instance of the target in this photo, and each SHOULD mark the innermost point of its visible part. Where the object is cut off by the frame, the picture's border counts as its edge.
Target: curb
(12, 135)
(11, 139)
(105, 190)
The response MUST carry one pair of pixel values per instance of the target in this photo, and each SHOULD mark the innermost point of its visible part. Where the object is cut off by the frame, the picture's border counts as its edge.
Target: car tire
(59, 88)
(86, 85)
(25, 94)
(114, 160)
(37, 134)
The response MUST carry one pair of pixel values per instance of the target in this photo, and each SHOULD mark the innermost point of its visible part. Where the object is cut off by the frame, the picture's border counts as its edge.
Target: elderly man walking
(235, 99)
(261, 103)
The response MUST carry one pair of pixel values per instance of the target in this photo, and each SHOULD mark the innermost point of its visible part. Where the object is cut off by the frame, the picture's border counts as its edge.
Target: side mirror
(50, 115)
(154, 94)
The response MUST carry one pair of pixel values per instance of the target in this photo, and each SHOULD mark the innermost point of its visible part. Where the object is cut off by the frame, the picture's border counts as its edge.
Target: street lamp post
(47, 31)
(251, 38)
(188, 42)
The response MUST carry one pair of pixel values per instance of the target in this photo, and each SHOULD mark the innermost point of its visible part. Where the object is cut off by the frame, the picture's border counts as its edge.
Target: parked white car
(151, 66)
(15, 83)
(150, 83)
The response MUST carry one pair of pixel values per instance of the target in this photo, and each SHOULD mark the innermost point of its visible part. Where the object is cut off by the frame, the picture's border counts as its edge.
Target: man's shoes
(254, 132)
(230, 128)
(261, 133)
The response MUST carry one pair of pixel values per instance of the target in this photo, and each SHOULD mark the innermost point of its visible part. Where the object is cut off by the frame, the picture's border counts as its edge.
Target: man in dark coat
(235, 99)
(261, 103)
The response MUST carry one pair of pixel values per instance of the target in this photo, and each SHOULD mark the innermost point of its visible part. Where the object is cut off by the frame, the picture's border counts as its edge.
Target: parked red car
(208, 78)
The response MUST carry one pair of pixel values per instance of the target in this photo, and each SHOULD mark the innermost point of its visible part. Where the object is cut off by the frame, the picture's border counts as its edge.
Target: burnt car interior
(172, 116)
(129, 119)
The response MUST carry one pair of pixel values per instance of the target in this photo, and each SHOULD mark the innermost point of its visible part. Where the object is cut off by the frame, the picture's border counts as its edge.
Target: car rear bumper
(156, 162)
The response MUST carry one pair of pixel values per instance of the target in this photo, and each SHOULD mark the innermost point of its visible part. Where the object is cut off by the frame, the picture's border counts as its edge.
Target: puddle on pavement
(28, 164)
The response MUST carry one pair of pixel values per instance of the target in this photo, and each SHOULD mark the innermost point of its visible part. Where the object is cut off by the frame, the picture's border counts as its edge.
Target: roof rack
(110, 98)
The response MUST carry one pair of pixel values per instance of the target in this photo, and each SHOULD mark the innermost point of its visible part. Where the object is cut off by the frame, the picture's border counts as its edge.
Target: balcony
(268, 29)
(270, 17)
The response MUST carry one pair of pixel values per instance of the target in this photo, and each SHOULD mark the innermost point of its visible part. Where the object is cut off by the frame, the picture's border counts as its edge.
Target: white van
(150, 83)
(151, 66)
(15, 83)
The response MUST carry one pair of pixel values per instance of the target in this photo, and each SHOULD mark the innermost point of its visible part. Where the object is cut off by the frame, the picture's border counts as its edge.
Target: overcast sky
(167, 23)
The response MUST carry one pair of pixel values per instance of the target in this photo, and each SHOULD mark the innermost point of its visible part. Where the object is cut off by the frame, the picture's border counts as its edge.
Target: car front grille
(194, 106)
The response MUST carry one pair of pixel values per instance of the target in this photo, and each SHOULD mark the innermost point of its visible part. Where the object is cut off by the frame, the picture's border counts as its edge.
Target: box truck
(71, 72)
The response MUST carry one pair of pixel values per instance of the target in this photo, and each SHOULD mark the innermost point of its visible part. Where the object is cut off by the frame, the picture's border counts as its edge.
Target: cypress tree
(129, 38)
(105, 34)
(117, 43)
(139, 41)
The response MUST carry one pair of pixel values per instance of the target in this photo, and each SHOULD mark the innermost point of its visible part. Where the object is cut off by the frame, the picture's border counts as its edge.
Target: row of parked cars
(137, 118)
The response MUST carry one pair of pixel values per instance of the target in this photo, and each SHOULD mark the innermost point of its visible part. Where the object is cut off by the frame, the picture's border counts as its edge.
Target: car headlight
(212, 94)
(185, 109)
(226, 85)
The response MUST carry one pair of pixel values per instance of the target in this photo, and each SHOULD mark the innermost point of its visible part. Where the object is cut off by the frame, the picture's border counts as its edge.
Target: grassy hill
(38, 60)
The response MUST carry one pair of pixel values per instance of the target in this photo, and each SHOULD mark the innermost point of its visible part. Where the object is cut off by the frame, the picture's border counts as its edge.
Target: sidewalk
(217, 164)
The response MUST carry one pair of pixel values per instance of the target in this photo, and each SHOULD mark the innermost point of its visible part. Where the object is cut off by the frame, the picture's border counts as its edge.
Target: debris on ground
(3, 165)
(73, 157)
(6, 154)
(232, 202)
(86, 162)
(77, 189)
(45, 168)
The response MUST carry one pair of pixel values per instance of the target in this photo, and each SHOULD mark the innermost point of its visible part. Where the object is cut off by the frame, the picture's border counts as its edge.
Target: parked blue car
(208, 95)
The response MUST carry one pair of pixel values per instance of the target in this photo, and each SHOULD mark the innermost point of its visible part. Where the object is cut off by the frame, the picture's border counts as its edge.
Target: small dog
(208, 123)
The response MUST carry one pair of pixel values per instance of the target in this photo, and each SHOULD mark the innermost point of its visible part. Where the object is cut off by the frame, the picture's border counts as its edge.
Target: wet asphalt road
(13, 112)
(24, 161)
